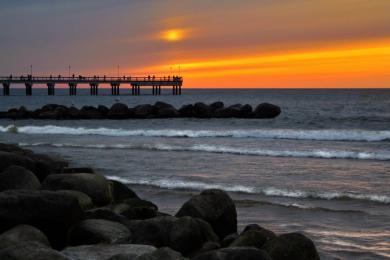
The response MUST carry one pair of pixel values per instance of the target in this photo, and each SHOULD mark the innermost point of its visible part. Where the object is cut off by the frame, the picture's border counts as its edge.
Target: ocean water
(321, 168)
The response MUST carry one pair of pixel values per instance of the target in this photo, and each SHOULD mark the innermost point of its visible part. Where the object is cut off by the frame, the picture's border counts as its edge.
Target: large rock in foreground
(104, 252)
(17, 178)
(31, 251)
(95, 186)
(291, 246)
(235, 253)
(185, 235)
(95, 231)
(214, 207)
(22, 233)
(50, 212)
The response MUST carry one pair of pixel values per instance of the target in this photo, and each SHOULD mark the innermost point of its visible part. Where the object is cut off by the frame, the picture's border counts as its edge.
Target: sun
(173, 35)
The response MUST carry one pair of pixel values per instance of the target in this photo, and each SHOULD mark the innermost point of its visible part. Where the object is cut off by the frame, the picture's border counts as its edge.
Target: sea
(321, 168)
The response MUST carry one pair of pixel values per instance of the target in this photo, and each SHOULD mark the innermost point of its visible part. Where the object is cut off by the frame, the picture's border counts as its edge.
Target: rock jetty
(51, 211)
(146, 111)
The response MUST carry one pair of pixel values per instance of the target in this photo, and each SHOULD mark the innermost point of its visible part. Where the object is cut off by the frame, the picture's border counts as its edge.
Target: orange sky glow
(212, 44)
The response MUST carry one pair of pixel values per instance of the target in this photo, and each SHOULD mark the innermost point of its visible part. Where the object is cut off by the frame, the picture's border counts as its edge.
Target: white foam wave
(317, 153)
(272, 192)
(298, 134)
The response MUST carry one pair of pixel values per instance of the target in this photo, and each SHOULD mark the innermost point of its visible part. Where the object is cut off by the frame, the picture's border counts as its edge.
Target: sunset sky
(229, 43)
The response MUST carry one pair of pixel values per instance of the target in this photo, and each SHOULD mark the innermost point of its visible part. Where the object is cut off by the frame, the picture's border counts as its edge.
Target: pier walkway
(136, 83)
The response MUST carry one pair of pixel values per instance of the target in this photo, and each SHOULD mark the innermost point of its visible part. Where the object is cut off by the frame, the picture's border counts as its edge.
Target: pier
(136, 84)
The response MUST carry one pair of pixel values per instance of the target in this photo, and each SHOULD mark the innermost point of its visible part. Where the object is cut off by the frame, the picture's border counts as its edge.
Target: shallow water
(322, 167)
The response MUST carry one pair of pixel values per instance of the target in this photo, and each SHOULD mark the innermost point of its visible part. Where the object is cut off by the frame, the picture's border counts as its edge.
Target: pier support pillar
(6, 87)
(94, 89)
(179, 90)
(159, 90)
(28, 88)
(72, 89)
(50, 89)
(115, 89)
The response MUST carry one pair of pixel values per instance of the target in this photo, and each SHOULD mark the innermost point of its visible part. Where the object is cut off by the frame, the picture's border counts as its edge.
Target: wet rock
(90, 112)
(266, 110)
(136, 208)
(143, 111)
(291, 246)
(229, 239)
(95, 231)
(164, 253)
(216, 105)
(78, 170)
(202, 110)
(8, 159)
(17, 177)
(187, 111)
(95, 186)
(22, 233)
(84, 200)
(235, 253)
(189, 235)
(253, 238)
(118, 111)
(103, 110)
(50, 212)
(215, 207)
(107, 214)
(104, 252)
(31, 251)
(47, 164)
(121, 192)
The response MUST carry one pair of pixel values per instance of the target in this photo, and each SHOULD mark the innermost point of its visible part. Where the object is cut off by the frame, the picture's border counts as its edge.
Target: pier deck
(94, 82)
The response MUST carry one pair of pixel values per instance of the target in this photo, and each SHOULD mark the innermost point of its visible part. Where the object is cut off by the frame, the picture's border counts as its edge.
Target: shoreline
(97, 210)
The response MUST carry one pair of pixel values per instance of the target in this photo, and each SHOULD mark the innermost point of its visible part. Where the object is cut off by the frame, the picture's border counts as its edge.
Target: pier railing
(136, 83)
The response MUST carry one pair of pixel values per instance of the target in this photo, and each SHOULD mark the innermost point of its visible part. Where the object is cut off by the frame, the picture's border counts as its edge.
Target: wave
(296, 134)
(326, 154)
(270, 191)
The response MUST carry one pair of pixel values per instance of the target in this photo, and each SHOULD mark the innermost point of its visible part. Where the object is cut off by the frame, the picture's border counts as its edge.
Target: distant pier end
(136, 83)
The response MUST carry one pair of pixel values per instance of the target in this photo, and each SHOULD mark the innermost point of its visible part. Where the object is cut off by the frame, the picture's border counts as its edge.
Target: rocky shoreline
(51, 211)
(146, 111)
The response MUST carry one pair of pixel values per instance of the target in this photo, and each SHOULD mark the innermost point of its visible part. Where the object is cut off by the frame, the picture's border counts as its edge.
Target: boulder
(164, 253)
(154, 231)
(185, 235)
(103, 110)
(11, 158)
(31, 251)
(234, 253)
(266, 110)
(104, 252)
(96, 231)
(246, 111)
(215, 207)
(160, 105)
(253, 238)
(121, 192)
(291, 246)
(95, 186)
(77, 170)
(51, 212)
(187, 111)
(143, 111)
(189, 235)
(47, 164)
(107, 214)
(22, 233)
(202, 110)
(217, 105)
(118, 111)
(229, 239)
(231, 111)
(16, 178)
(136, 208)
(73, 113)
(84, 200)
(167, 112)
(90, 112)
